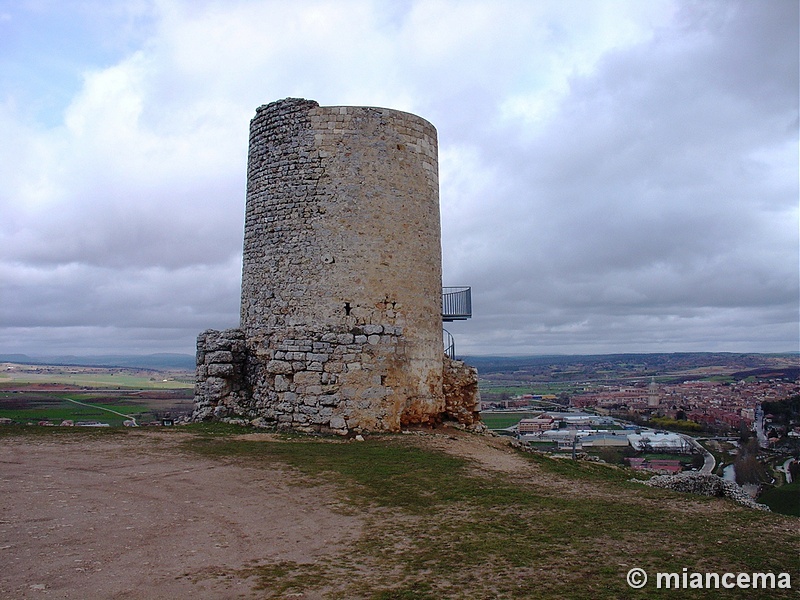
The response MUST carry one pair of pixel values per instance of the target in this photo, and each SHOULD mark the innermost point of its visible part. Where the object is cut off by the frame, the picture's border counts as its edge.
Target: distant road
(786, 470)
(135, 424)
(709, 462)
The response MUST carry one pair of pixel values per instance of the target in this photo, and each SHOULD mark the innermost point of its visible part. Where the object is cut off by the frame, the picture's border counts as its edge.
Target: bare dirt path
(132, 517)
(491, 453)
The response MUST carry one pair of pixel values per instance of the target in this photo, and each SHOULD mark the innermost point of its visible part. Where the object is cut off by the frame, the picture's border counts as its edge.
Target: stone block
(281, 383)
(289, 398)
(337, 422)
(329, 400)
(220, 356)
(216, 387)
(220, 370)
(279, 367)
(306, 378)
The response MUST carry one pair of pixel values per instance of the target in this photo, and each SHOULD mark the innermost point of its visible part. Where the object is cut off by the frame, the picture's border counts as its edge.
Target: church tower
(653, 394)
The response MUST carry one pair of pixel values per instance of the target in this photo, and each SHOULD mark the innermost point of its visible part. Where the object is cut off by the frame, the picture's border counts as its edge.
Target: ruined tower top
(342, 218)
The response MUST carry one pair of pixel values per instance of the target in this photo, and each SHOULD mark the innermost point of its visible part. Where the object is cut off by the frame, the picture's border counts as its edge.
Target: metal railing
(449, 344)
(456, 303)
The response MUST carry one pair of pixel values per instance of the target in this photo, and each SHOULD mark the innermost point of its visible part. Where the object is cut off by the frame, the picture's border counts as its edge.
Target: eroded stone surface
(460, 386)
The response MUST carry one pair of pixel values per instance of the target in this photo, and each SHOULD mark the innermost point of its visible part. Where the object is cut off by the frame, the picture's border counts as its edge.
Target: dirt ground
(132, 517)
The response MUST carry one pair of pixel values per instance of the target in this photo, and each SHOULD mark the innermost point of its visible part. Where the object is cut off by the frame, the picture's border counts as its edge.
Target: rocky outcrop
(461, 396)
(704, 485)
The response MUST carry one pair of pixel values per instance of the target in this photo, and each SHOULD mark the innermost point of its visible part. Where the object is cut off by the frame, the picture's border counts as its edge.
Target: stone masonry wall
(220, 381)
(303, 393)
(341, 278)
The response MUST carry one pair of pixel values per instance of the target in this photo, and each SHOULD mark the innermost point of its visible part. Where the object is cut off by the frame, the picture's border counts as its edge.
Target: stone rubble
(705, 485)
(461, 396)
(691, 483)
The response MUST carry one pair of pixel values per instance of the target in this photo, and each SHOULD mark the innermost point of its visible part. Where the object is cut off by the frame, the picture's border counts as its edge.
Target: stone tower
(653, 394)
(341, 283)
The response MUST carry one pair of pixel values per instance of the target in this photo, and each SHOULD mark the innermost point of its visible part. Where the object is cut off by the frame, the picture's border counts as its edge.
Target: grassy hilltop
(445, 514)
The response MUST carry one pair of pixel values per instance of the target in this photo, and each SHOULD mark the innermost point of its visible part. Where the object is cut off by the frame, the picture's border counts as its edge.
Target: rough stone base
(330, 383)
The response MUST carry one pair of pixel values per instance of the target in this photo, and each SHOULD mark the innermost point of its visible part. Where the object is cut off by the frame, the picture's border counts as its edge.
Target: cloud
(661, 192)
(615, 175)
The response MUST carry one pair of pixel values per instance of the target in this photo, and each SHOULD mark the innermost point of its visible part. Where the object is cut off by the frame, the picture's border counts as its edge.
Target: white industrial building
(659, 441)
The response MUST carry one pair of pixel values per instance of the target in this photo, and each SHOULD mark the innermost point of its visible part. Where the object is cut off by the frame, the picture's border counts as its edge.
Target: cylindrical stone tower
(341, 281)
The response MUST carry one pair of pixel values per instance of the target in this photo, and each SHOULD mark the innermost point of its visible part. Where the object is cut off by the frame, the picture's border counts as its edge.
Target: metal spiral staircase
(456, 306)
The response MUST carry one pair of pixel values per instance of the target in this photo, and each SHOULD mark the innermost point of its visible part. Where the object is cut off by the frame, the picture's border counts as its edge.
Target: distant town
(737, 416)
(697, 392)
(692, 405)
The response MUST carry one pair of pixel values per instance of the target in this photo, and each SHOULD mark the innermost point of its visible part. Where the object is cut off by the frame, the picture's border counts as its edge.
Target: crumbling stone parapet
(220, 377)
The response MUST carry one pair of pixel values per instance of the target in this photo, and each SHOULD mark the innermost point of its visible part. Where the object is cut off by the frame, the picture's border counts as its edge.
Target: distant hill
(580, 367)
(162, 361)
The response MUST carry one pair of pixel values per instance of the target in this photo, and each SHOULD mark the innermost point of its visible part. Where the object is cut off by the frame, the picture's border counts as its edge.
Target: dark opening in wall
(347, 308)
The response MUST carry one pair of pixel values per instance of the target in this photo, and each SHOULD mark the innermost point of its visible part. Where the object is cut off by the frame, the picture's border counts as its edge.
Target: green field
(503, 420)
(496, 387)
(55, 408)
(35, 393)
(95, 380)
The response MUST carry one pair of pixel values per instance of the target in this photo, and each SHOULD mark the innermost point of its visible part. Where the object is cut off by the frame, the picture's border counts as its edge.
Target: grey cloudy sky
(616, 176)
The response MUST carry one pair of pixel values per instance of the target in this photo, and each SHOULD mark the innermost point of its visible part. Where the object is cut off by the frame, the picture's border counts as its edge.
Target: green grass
(442, 530)
(784, 499)
(91, 380)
